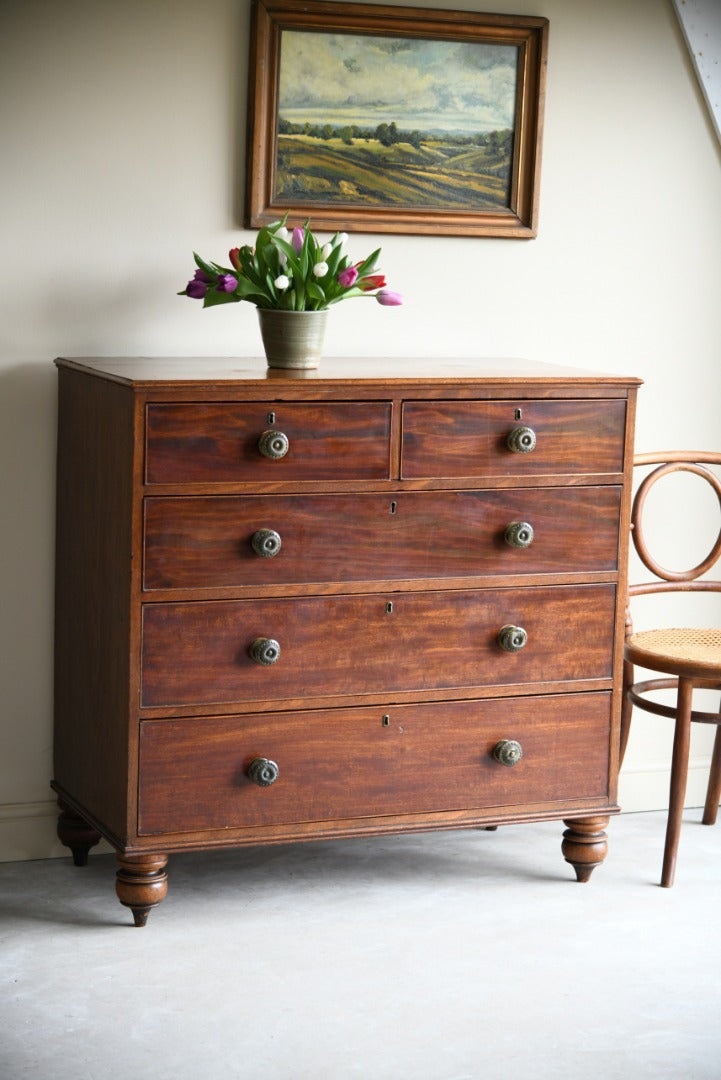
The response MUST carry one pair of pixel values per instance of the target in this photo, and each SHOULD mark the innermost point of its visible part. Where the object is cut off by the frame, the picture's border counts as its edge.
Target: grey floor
(449, 956)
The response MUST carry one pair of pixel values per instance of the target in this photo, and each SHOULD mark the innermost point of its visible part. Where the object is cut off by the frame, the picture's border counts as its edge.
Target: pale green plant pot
(292, 339)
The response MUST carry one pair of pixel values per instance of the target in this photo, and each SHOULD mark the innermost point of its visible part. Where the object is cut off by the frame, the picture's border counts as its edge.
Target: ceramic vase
(292, 339)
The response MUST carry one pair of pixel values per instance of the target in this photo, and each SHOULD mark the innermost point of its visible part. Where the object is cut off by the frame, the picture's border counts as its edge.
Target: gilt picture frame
(372, 118)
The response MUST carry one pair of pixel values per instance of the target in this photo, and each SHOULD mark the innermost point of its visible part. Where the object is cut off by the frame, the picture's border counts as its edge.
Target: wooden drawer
(207, 541)
(469, 438)
(198, 653)
(219, 443)
(349, 763)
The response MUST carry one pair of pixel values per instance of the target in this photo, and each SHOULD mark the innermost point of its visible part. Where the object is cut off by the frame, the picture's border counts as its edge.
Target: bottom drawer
(350, 763)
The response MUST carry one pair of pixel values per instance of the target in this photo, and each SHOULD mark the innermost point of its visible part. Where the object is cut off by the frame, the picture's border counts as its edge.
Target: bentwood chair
(688, 657)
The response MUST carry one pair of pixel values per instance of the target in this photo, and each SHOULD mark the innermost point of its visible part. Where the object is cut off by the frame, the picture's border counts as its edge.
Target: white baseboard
(646, 787)
(27, 830)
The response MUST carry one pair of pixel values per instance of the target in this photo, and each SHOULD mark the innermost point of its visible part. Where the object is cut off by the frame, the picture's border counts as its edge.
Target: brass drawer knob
(265, 651)
(518, 534)
(266, 543)
(521, 440)
(273, 444)
(508, 752)
(263, 772)
(512, 638)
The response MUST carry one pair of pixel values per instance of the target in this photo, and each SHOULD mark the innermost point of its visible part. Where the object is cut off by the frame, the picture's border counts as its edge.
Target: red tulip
(373, 281)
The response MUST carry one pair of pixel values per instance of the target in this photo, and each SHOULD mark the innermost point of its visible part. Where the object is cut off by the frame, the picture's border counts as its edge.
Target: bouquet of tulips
(289, 271)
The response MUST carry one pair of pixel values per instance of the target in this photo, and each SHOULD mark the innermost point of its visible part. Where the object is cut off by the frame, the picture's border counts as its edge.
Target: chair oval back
(672, 580)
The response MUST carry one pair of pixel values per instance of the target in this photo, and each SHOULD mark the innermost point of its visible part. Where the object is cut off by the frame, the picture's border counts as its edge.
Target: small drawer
(335, 646)
(354, 763)
(475, 438)
(215, 541)
(258, 442)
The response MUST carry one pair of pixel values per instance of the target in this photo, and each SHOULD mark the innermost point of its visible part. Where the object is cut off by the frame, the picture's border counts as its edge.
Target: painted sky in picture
(439, 86)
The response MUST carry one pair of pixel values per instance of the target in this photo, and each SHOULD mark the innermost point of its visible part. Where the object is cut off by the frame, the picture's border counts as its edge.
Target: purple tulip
(388, 298)
(297, 239)
(348, 277)
(196, 288)
(200, 275)
(227, 283)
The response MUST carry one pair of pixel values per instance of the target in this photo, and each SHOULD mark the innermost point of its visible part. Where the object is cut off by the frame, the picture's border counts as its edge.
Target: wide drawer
(221, 442)
(349, 763)
(200, 653)
(209, 541)
(470, 438)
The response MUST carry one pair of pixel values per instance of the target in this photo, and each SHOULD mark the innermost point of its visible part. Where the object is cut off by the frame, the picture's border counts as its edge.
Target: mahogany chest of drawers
(379, 597)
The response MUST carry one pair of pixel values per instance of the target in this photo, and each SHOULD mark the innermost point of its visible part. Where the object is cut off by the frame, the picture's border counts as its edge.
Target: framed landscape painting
(369, 118)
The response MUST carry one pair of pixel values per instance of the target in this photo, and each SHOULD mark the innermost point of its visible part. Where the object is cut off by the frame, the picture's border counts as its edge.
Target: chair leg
(626, 710)
(713, 792)
(679, 776)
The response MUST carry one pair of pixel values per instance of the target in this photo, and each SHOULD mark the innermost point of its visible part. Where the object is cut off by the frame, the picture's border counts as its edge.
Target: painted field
(361, 171)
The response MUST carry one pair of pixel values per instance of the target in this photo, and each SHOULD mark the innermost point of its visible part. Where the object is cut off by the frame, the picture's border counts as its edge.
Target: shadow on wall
(27, 450)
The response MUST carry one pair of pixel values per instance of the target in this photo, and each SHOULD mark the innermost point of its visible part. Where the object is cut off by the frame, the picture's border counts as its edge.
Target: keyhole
(393, 507)
(519, 414)
(386, 720)
(271, 417)
(389, 607)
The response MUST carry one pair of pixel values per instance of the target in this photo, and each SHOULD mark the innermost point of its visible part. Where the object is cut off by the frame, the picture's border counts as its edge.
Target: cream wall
(122, 144)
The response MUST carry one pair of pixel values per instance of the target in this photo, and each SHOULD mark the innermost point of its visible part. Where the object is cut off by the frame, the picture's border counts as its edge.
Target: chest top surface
(250, 374)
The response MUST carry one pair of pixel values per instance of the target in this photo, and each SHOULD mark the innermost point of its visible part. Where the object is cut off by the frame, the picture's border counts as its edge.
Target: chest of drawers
(384, 596)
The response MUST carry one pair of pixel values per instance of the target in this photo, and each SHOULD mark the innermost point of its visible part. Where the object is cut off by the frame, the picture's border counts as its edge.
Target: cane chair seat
(688, 651)
(689, 658)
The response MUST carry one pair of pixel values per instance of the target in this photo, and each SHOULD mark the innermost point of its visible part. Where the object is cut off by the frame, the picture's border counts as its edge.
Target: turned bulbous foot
(585, 845)
(141, 883)
(74, 831)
